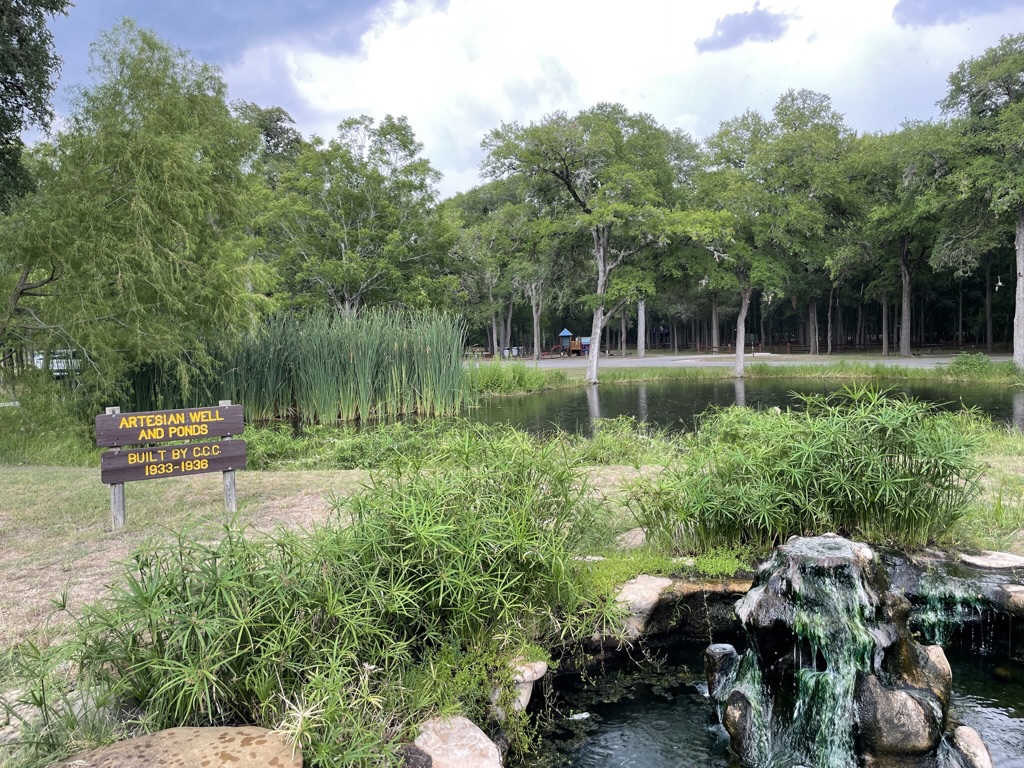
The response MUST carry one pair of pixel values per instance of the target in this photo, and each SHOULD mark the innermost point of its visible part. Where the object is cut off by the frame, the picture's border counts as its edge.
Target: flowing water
(678, 404)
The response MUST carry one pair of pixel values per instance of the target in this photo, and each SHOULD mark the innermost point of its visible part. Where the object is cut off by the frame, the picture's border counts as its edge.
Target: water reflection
(593, 406)
(677, 404)
(740, 387)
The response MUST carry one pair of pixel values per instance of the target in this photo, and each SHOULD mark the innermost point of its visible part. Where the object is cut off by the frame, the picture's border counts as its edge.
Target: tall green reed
(325, 369)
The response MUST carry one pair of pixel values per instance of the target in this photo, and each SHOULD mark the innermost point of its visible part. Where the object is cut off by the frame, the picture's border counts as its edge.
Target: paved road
(660, 359)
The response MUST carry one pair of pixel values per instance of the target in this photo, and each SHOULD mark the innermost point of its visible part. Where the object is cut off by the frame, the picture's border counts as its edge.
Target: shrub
(979, 366)
(859, 462)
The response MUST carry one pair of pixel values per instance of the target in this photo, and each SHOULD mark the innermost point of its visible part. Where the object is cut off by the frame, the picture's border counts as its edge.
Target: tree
(987, 92)
(356, 218)
(28, 68)
(614, 168)
(134, 248)
(779, 183)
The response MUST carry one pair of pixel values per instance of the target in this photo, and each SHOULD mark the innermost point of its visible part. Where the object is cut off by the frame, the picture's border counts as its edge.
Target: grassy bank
(501, 378)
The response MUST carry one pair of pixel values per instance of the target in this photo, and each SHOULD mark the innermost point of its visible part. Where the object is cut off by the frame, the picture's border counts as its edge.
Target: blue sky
(458, 68)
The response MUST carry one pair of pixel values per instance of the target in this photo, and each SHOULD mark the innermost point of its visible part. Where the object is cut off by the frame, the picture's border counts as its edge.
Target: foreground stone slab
(193, 748)
(995, 561)
(455, 742)
(640, 596)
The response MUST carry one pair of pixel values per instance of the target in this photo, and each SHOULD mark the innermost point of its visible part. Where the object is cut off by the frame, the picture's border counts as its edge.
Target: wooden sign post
(144, 448)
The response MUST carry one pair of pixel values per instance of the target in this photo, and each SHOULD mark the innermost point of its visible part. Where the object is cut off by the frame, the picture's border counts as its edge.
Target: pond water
(677, 404)
(661, 717)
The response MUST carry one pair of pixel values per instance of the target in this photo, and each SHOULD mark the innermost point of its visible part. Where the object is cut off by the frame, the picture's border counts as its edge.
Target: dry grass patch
(57, 537)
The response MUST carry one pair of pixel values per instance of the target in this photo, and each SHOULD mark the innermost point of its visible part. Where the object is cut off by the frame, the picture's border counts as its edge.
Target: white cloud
(458, 71)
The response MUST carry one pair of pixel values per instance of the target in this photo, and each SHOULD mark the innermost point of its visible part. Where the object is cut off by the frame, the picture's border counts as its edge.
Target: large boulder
(455, 742)
(193, 747)
(895, 722)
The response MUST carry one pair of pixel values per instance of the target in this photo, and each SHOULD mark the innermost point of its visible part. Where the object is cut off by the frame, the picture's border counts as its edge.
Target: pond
(659, 715)
(677, 404)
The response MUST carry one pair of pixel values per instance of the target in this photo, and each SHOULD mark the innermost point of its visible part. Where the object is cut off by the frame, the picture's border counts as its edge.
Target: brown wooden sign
(115, 429)
(129, 464)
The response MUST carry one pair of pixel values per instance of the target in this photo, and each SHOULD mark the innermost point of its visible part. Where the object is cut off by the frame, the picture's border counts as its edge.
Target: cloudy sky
(459, 68)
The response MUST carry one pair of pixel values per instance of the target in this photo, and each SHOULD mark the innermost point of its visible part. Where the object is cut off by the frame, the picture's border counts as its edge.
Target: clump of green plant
(410, 603)
(979, 366)
(624, 440)
(42, 423)
(724, 561)
(510, 377)
(860, 462)
(324, 369)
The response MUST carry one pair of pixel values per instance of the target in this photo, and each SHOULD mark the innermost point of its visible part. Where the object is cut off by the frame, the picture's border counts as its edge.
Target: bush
(859, 462)
(979, 366)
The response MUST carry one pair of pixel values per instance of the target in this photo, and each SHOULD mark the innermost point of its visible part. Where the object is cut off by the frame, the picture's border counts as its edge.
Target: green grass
(521, 378)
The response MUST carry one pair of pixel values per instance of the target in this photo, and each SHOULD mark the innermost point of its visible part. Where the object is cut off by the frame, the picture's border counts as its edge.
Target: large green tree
(357, 222)
(987, 92)
(135, 247)
(28, 69)
(614, 168)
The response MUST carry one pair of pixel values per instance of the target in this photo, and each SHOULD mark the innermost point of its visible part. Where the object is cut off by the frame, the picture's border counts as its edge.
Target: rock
(631, 539)
(1009, 598)
(894, 722)
(529, 671)
(937, 674)
(640, 596)
(739, 721)
(524, 675)
(972, 750)
(456, 743)
(414, 757)
(191, 747)
(720, 662)
(9, 734)
(993, 560)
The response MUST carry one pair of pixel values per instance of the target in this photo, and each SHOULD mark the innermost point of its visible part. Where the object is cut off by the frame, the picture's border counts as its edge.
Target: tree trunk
(506, 330)
(761, 337)
(595, 345)
(885, 326)
(641, 328)
(715, 342)
(960, 317)
(602, 238)
(904, 350)
(623, 329)
(495, 349)
(741, 323)
(1018, 312)
(812, 327)
(537, 305)
(988, 302)
(828, 341)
